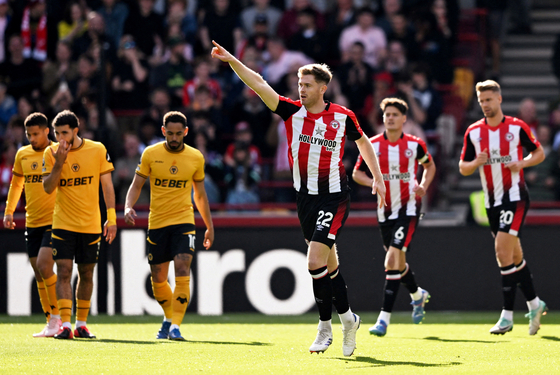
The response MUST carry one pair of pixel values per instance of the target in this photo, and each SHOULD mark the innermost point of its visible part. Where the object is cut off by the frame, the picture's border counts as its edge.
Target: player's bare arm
(110, 226)
(131, 198)
(16, 188)
(248, 76)
(534, 158)
(368, 153)
(427, 178)
(466, 168)
(50, 182)
(203, 207)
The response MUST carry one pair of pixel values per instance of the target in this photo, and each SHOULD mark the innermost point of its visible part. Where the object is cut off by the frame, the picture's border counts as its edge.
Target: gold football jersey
(171, 176)
(77, 199)
(38, 204)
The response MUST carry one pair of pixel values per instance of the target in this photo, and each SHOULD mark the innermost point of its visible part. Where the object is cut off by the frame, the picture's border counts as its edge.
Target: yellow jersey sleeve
(18, 169)
(106, 163)
(48, 159)
(143, 169)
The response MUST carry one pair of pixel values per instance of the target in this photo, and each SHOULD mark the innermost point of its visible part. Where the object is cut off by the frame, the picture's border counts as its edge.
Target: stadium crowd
(121, 65)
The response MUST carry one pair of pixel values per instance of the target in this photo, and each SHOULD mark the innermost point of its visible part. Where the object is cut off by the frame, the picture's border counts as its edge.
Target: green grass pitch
(446, 343)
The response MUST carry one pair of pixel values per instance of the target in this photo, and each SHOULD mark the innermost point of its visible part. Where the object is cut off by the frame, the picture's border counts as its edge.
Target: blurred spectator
(5, 18)
(74, 24)
(435, 46)
(258, 38)
(160, 105)
(250, 108)
(281, 172)
(213, 166)
(115, 14)
(389, 9)
(124, 170)
(149, 132)
(364, 31)
(383, 88)
(178, 14)
(174, 73)
(260, 9)
(243, 137)
(281, 61)
(496, 18)
(242, 177)
(403, 32)
(308, 39)
(61, 71)
(542, 179)
(203, 103)
(428, 98)
(221, 24)
(145, 26)
(94, 39)
(8, 108)
(22, 76)
(356, 77)
(202, 78)
(288, 26)
(130, 77)
(61, 99)
(527, 112)
(15, 133)
(87, 80)
(340, 17)
(8, 156)
(396, 61)
(34, 30)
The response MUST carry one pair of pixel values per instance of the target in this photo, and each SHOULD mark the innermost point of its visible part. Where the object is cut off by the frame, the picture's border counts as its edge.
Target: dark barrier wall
(263, 269)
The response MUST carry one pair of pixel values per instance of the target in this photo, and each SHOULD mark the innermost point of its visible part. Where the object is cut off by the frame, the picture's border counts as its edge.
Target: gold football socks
(181, 297)
(50, 285)
(163, 294)
(43, 296)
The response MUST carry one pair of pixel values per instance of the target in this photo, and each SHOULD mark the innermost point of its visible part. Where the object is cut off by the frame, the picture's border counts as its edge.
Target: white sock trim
(385, 316)
(80, 323)
(507, 314)
(533, 304)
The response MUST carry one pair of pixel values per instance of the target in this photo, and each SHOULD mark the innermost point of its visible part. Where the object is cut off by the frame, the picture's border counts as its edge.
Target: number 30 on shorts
(324, 218)
(506, 217)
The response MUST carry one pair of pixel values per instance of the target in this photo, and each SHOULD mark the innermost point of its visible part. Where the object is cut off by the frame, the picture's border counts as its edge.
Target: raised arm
(368, 153)
(203, 207)
(248, 76)
(50, 181)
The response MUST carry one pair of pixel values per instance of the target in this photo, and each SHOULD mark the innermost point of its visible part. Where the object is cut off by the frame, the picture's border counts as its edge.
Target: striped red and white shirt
(505, 144)
(316, 145)
(398, 162)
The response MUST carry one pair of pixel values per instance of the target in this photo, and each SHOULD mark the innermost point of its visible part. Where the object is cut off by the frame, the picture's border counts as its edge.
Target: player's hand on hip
(221, 53)
(379, 189)
(208, 238)
(129, 215)
(9, 222)
(110, 232)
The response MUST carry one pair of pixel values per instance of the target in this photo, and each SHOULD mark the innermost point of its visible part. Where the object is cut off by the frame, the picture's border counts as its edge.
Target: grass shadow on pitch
(158, 342)
(249, 343)
(381, 363)
(551, 338)
(116, 341)
(435, 338)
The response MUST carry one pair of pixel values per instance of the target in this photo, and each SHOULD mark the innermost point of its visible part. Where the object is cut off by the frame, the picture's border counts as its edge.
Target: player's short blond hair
(394, 102)
(488, 85)
(321, 72)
